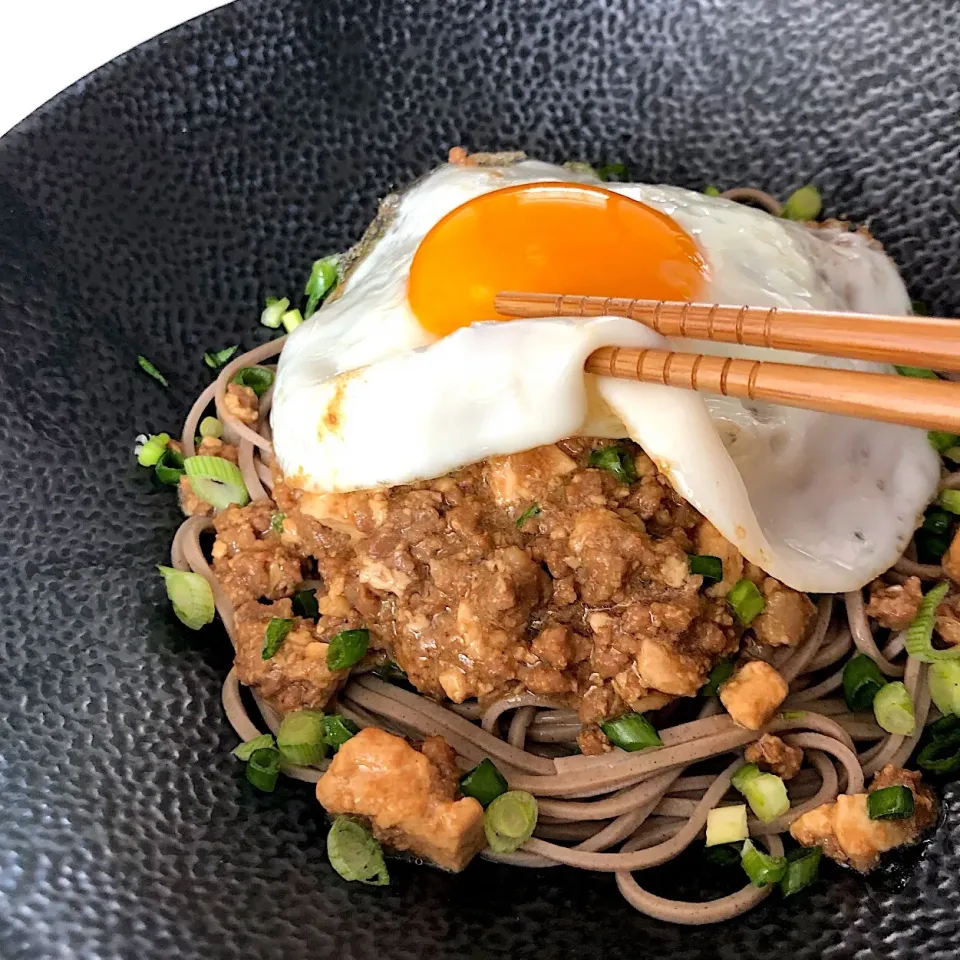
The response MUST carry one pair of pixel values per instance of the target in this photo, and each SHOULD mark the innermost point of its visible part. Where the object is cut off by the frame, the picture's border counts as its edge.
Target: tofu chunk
(785, 618)
(753, 694)
(407, 798)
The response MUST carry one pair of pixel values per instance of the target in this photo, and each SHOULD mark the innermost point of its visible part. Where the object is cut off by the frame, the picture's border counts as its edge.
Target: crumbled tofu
(786, 616)
(661, 667)
(753, 694)
(895, 605)
(771, 753)
(406, 797)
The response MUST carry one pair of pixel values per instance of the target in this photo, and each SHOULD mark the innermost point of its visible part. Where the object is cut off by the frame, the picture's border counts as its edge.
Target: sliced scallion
(631, 732)
(347, 648)
(529, 513)
(710, 568)
(170, 467)
(258, 379)
(803, 204)
(338, 730)
(763, 869)
(937, 522)
(920, 632)
(217, 481)
(300, 738)
(950, 500)
(147, 367)
(941, 440)
(719, 675)
(509, 821)
(617, 172)
(151, 450)
(802, 867)
(746, 601)
(890, 803)
(711, 191)
(484, 782)
(291, 320)
(727, 825)
(215, 359)
(211, 427)
(953, 454)
(944, 679)
(323, 278)
(615, 460)
(942, 754)
(274, 635)
(920, 373)
(305, 604)
(191, 596)
(276, 522)
(862, 681)
(263, 768)
(893, 709)
(273, 311)
(765, 792)
(355, 854)
(246, 749)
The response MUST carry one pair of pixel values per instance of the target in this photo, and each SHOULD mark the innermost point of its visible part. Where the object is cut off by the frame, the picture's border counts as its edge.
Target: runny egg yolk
(548, 238)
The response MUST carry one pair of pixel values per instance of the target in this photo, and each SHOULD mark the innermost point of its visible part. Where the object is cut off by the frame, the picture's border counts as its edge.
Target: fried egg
(410, 374)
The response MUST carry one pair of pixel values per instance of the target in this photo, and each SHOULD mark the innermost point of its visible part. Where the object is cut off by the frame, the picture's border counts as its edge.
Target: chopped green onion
(727, 825)
(355, 854)
(614, 171)
(215, 359)
(150, 450)
(953, 454)
(893, 708)
(276, 522)
(216, 481)
(919, 308)
(323, 278)
(246, 749)
(762, 868)
(920, 632)
(950, 500)
(631, 732)
(765, 792)
(803, 204)
(942, 754)
(263, 768)
(258, 379)
(274, 635)
(719, 675)
(190, 595)
(170, 467)
(338, 730)
(890, 803)
(945, 727)
(580, 166)
(211, 427)
(531, 511)
(920, 373)
(147, 367)
(273, 312)
(930, 548)
(724, 855)
(710, 568)
(862, 681)
(300, 738)
(291, 320)
(792, 714)
(802, 867)
(937, 521)
(509, 821)
(391, 672)
(747, 601)
(305, 604)
(615, 460)
(944, 678)
(941, 440)
(484, 782)
(711, 191)
(347, 648)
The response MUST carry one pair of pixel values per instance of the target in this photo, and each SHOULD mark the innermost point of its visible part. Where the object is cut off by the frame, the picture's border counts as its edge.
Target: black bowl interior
(149, 209)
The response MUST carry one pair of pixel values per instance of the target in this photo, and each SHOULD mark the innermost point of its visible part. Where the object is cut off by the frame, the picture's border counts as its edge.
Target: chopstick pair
(928, 342)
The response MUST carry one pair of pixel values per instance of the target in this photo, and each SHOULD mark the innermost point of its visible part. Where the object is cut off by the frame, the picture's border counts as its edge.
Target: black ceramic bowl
(149, 209)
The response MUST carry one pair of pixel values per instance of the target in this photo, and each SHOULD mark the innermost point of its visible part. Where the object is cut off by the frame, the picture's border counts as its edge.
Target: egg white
(366, 397)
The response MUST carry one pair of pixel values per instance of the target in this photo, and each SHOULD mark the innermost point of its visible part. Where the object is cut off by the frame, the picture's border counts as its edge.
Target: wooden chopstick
(910, 341)
(932, 404)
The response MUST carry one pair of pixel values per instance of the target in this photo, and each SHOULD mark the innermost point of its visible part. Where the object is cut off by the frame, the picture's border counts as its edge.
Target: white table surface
(46, 45)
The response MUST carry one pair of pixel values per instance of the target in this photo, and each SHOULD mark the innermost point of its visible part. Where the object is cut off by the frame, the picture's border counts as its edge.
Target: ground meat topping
(894, 605)
(771, 753)
(242, 402)
(786, 616)
(533, 571)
